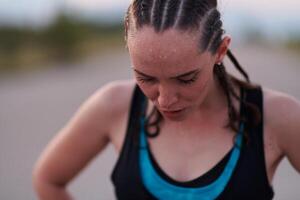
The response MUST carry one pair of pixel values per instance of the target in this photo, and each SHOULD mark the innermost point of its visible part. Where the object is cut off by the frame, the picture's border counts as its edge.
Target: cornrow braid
(209, 29)
(157, 14)
(237, 65)
(141, 12)
(226, 84)
(192, 13)
(170, 11)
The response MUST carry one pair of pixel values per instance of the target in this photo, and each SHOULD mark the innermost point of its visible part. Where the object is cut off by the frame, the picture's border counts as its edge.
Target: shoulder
(114, 97)
(282, 118)
(116, 94)
(280, 109)
(114, 100)
(102, 110)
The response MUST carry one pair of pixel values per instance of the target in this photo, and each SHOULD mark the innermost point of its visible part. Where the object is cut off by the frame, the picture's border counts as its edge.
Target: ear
(222, 50)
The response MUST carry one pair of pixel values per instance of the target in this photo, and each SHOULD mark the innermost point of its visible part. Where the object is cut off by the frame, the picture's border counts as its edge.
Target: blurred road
(35, 106)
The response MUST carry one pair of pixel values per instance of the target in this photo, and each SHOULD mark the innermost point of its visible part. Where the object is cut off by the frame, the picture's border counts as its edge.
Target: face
(171, 71)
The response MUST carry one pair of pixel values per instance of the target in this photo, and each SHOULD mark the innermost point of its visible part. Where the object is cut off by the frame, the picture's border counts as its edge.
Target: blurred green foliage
(64, 40)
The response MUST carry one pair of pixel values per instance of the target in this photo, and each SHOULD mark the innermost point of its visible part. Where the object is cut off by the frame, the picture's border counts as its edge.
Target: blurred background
(55, 53)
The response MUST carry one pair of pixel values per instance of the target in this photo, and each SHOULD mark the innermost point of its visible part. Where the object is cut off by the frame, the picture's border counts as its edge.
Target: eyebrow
(178, 76)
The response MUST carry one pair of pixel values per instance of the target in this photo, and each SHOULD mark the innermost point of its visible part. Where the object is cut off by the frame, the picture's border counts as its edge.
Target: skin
(197, 132)
(161, 69)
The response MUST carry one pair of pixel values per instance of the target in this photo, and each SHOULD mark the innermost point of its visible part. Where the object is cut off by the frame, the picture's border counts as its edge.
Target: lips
(172, 112)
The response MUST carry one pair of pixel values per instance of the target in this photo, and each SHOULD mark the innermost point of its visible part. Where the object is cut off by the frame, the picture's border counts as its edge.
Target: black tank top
(248, 181)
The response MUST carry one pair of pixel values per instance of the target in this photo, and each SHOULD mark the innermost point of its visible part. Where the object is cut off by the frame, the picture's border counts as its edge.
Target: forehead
(171, 48)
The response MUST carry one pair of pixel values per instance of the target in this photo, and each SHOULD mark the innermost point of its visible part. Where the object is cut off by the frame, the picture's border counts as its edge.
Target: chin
(175, 116)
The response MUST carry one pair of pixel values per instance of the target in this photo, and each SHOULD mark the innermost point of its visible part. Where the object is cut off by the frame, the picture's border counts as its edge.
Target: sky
(278, 16)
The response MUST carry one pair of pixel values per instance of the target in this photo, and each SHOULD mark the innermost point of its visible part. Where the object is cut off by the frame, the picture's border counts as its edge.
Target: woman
(183, 128)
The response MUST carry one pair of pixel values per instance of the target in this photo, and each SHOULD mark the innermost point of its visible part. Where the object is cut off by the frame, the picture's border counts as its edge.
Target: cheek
(149, 91)
(198, 90)
(204, 82)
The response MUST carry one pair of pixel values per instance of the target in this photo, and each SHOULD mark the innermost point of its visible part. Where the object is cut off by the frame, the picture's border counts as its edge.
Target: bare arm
(290, 136)
(285, 119)
(84, 136)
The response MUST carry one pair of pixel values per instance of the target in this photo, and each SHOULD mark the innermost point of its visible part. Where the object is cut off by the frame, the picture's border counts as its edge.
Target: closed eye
(185, 79)
(189, 81)
(146, 80)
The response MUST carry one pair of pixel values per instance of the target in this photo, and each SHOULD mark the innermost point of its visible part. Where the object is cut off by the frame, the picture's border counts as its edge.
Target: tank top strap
(131, 143)
(256, 135)
(254, 96)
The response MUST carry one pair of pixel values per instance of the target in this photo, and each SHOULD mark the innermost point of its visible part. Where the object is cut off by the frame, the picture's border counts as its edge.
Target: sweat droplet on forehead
(171, 49)
(170, 41)
(163, 56)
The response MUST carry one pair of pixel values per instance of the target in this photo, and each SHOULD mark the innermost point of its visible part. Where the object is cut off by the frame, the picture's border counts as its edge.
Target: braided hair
(189, 15)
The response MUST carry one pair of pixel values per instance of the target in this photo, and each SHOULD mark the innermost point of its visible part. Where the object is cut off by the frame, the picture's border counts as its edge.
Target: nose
(167, 97)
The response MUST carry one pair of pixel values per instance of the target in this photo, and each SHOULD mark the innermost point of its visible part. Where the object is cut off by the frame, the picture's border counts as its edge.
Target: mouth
(172, 112)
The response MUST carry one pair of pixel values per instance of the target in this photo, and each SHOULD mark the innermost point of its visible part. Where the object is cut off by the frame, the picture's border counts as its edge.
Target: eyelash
(184, 82)
(187, 82)
(145, 80)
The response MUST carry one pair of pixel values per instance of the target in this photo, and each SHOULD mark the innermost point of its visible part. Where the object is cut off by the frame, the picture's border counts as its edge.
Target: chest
(189, 161)
(187, 157)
